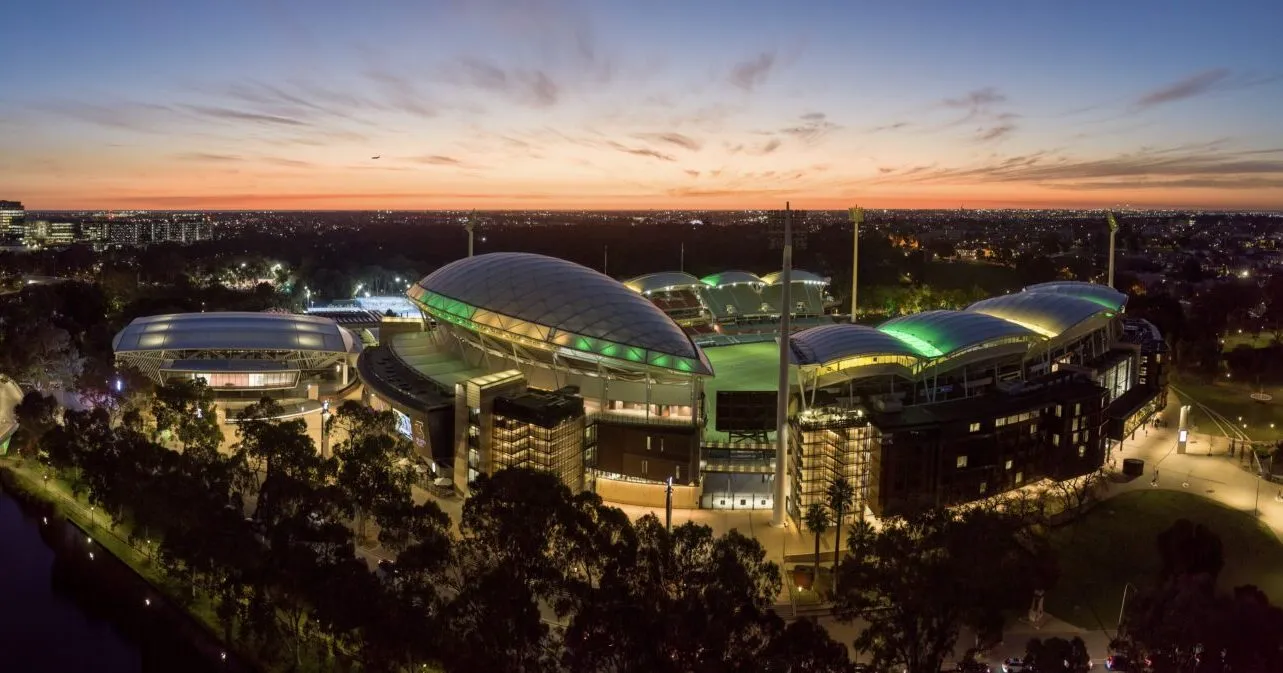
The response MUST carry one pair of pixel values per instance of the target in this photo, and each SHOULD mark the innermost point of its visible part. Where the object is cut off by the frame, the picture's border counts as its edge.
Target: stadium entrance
(738, 491)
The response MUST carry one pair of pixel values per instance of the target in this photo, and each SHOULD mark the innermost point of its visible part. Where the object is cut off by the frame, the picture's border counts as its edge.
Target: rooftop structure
(553, 308)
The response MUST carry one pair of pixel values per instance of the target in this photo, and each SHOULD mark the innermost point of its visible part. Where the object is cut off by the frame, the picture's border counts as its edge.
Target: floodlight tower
(857, 217)
(1113, 233)
(471, 227)
(778, 512)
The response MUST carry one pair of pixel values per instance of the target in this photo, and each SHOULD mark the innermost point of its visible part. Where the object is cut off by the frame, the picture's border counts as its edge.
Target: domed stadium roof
(1101, 294)
(654, 282)
(1047, 313)
(795, 276)
(730, 278)
(824, 344)
(234, 331)
(933, 334)
(552, 303)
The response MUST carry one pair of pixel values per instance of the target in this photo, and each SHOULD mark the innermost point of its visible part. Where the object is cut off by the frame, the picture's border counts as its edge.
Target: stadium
(297, 360)
(625, 388)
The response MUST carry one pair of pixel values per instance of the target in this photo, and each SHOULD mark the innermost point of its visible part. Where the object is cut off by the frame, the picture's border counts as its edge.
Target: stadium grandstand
(556, 366)
(298, 360)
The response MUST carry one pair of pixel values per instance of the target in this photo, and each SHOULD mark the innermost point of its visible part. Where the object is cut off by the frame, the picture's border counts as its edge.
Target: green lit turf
(741, 367)
(1115, 544)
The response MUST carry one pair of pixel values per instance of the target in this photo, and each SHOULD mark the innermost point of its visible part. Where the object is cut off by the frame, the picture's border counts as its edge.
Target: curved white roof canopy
(1047, 313)
(795, 276)
(656, 282)
(731, 278)
(235, 331)
(934, 334)
(828, 343)
(552, 303)
(1101, 294)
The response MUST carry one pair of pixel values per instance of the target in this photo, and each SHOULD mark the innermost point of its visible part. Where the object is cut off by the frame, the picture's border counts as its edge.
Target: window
(645, 466)
(1020, 477)
(1008, 463)
(1078, 408)
(983, 487)
(678, 473)
(1055, 440)
(1082, 451)
(1074, 426)
(1057, 411)
(1000, 422)
(1033, 429)
(647, 445)
(962, 462)
(975, 427)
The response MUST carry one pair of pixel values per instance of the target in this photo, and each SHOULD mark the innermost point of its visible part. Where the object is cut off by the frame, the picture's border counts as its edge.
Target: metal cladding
(551, 304)
(234, 331)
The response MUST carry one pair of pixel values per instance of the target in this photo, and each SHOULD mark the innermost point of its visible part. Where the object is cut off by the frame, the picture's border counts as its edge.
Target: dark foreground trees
(918, 580)
(535, 579)
(1182, 623)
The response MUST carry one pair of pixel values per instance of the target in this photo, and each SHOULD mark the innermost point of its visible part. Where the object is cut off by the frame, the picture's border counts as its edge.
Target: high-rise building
(13, 219)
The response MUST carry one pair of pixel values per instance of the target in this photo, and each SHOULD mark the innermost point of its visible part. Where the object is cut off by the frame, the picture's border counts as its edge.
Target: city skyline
(555, 104)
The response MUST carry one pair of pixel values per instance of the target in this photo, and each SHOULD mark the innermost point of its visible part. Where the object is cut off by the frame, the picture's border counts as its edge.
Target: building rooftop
(547, 409)
(553, 303)
(1101, 294)
(235, 331)
(730, 278)
(1047, 313)
(827, 343)
(934, 334)
(665, 280)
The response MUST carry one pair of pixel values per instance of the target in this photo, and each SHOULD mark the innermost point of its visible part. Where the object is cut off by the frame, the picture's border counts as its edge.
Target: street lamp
(1122, 608)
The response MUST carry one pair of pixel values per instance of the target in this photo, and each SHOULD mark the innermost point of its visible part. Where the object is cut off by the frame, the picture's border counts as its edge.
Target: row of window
(962, 460)
(1015, 418)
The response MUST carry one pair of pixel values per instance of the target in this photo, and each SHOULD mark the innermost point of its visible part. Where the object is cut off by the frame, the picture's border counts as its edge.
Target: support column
(778, 512)
(857, 216)
(343, 369)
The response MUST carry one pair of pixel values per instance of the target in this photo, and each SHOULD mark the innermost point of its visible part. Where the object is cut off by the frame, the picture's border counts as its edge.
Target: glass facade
(829, 444)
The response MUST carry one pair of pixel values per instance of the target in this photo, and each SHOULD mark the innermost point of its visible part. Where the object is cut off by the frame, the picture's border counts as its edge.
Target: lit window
(1078, 409)
(1008, 463)
(1055, 440)
(1057, 411)
(1082, 451)
(645, 465)
(1000, 422)
(1020, 477)
(975, 427)
(983, 487)
(962, 462)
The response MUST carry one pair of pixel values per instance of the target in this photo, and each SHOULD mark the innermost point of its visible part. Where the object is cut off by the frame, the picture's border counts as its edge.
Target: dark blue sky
(656, 104)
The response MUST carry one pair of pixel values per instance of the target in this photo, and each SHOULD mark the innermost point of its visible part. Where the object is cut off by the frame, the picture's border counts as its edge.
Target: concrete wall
(646, 495)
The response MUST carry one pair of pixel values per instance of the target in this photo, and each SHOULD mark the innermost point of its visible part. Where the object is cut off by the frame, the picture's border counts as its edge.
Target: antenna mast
(857, 217)
(778, 511)
(471, 227)
(1113, 232)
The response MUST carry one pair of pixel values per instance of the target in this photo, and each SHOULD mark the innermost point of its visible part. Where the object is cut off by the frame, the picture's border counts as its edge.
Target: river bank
(98, 568)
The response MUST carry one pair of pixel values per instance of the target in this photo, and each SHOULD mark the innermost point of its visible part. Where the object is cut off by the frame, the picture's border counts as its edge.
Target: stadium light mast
(471, 228)
(857, 217)
(782, 399)
(1113, 232)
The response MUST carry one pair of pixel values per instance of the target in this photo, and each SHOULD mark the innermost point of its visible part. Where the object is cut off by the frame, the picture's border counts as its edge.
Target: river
(60, 610)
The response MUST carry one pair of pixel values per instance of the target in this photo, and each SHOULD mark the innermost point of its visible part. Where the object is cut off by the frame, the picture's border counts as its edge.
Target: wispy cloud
(208, 157)
(119, 115)
(1188, 166)
(995, 132)
(814, 126)
(768, 147)
(531, 87)
(1194, 85)
(692, 173)
(896, 126)
(640, 151)
(670, 138)
(233, 115)
(436, 160)
(750, 74)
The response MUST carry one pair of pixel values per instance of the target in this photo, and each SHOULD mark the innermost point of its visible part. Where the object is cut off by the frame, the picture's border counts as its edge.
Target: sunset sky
(233, 104)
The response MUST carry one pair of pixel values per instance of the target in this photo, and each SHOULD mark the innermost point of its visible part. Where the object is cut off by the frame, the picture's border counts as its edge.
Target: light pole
(1122, 608)
(668, 506)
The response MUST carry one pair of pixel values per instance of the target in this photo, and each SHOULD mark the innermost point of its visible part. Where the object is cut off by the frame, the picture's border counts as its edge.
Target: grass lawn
(1232, 341)
(1233, 400)
(741, 367)
(1115, 544)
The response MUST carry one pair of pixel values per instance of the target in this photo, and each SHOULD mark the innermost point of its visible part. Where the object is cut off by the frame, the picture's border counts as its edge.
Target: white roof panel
(232, 330)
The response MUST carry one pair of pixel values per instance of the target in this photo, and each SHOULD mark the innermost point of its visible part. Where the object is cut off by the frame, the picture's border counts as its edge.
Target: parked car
(1120, 662)
(1014, 665)
(973, 666)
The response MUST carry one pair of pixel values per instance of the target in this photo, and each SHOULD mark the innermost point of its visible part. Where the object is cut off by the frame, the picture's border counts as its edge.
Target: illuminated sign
(1184, 436)
(403, 424)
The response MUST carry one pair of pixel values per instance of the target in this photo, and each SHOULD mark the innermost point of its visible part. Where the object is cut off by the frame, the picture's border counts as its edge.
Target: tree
(841, 494)
(290, 461)
(185, 408)
(373, 472)
(1187, 548)
(36, 414)
(918, 580)
(817, 522)
(1057, 655)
